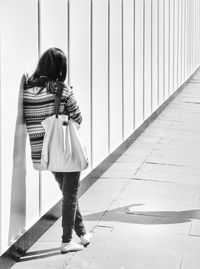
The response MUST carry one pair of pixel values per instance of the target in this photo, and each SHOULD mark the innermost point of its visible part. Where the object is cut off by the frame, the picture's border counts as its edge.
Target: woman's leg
(71, 216)
(79, 226)
(69, 202)
(59, 178)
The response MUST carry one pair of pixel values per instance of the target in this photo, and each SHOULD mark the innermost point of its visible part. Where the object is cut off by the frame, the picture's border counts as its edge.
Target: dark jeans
(71, 216)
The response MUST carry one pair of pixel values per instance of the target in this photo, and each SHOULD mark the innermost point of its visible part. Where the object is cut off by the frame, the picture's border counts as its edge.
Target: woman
(38, 101)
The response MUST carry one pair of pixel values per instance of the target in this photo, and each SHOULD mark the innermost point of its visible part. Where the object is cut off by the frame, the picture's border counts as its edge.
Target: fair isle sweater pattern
(39, 106)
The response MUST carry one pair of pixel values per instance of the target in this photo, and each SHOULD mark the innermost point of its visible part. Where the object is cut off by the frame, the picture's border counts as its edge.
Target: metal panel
(115, 74)
(171, 66)
(139, 62)
(19, 182)
(134, 64)
(154, 54)
(183, 23)
(147, 67)
(128, 68)
(166, 50)
(176, 16)
(100, 80)
(179, 45)
(186, 41)
(161, 49)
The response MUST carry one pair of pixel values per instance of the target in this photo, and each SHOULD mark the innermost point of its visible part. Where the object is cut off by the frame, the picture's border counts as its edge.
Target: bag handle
(57, 101)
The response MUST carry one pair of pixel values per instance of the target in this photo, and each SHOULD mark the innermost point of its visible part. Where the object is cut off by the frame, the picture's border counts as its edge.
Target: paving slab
(195, 227)
(176, 169)
(181, 178)
(137, 158)
(166, 147)
(101, 195)
(125, 255)
(171, 159)
(190, 261)
(136, 236)
(144, 191)
(140, 259)
(122, 170)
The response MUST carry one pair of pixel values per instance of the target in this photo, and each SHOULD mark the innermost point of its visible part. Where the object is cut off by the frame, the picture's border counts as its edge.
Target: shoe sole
(85, 245)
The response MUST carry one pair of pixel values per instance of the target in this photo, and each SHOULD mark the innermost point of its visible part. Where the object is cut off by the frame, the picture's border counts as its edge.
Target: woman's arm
(73, 108)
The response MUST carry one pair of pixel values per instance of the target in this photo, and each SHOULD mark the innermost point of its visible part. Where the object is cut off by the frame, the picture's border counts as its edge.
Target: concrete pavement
(145, 209)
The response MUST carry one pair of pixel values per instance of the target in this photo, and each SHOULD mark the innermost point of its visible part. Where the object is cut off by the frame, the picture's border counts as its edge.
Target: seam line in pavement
(182, 258)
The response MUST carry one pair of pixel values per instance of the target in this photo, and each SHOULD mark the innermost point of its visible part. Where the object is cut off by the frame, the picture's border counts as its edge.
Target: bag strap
(57, 101)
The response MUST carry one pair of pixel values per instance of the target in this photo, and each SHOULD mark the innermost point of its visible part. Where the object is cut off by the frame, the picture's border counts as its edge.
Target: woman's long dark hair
(52, 67)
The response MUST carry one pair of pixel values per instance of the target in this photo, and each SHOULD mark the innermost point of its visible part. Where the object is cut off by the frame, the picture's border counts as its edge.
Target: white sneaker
(85, 239)
(71, 246)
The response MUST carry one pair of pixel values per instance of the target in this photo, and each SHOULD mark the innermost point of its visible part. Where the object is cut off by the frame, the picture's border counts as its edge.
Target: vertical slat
(166, 46)
(109, 150)
(68, 42)
(148, 60)
(155, 52)
(143, 66)
(178, 41)
(39, 54)
(161, 30)
(139, 62)
(151, 56)
(163, 49)
(198, 29)
(169, 51)
(39, 29)
(91, 84)
(128, 86)
(115, 74)
(182, 41)
(133, 64)
(100, 80)
(158, 56)
(187, 41)
(122, 32)
(173, 45)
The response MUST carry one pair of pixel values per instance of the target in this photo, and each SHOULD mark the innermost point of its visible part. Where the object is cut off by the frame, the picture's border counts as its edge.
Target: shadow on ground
(127, 214)
(40, 254)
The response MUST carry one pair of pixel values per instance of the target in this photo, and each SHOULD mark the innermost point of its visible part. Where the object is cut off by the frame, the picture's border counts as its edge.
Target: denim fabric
(71, 217)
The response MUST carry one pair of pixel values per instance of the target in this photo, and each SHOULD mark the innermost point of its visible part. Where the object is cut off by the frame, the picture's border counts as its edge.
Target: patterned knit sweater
(39, 106)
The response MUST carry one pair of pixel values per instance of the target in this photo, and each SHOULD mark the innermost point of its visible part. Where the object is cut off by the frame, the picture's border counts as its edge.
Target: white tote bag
(63, 149)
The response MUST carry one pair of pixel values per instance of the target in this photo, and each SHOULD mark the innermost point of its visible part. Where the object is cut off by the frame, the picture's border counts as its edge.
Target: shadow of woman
(40, 254)
(127, 214)
(18, 183)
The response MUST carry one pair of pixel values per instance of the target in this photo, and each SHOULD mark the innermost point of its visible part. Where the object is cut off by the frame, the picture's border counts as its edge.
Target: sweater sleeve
(73, 108)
